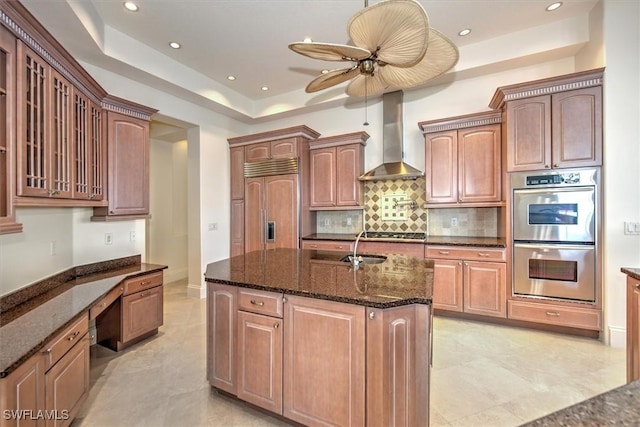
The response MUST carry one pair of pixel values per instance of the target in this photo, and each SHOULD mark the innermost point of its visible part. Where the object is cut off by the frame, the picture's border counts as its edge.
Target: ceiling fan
(395, 48)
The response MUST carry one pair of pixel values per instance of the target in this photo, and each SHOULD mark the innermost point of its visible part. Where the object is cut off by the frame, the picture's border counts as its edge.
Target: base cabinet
(462, 283)
(49, 388)
(320, 362)
(259, 360)
(318, 391)
(136, 315)
(633, 329)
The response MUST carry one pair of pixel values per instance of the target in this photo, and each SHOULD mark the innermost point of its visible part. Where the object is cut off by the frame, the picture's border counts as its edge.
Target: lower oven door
(561, 271)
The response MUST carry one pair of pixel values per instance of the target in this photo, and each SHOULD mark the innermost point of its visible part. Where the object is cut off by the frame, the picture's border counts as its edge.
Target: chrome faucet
(354, 260)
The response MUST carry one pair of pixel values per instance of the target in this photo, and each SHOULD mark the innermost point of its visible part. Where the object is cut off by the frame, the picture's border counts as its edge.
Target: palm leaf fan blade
(441, 56)
(367, 85)
(331, 78)
(397, 29)
(329, 51)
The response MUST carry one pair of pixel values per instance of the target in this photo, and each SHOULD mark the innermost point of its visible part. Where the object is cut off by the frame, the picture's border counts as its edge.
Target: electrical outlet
(348, 220)
(108, 238)
(132, 236)
(213, 226)
(327, 222)
(454, 222)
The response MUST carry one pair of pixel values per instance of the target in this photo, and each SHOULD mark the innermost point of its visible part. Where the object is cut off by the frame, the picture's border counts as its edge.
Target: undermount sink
(365, 259)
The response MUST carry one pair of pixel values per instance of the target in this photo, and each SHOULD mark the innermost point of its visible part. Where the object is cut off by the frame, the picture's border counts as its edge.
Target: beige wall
(167, 229)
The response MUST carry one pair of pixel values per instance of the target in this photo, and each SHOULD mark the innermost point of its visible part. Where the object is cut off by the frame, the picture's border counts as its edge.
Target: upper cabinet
(7, 132)
(335, 164)
(553, 123)
(65, 141)
(128, 160)
(463, 160)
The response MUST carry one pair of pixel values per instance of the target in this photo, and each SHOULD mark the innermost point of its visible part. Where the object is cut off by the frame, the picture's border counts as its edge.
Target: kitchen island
(315, 340)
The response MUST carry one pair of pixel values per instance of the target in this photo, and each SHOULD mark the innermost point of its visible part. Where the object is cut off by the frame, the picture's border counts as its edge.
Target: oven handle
(551, 190)
(544, 245)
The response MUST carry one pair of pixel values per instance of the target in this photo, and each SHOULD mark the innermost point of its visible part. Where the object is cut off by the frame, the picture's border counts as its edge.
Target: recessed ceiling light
(324, 71)
(307, 40)
(464, 32)
(175, 45)
(131, 6)
(232, 78)
(264, 88)
(554, 6)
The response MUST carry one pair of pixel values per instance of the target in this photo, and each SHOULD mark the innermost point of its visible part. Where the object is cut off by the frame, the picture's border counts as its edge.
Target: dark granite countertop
(620, 407)
(400, 280)
(487, 242)
(632, 272)
(26, 327)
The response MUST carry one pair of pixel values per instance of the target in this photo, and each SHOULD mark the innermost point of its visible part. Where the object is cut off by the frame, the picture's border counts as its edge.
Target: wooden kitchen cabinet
(7, 132)
(469, 280)
(274, 189)
(44, 128)
(259, 349)
(317, 390)
(67, 384)
(90, 148)
(328, 245)
(335, 164)
(222, 312)
(463, 162)
(55, 380)
(135, 316)
(553, 123)
(23, 390)
(633, 329)
(128, 172)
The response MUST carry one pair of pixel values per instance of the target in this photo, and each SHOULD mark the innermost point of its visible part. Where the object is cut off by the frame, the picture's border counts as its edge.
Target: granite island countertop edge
(631, 272)
(462, 241)
(326, 297)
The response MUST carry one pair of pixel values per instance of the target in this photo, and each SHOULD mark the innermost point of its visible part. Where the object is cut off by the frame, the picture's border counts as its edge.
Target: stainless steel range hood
(393, 166)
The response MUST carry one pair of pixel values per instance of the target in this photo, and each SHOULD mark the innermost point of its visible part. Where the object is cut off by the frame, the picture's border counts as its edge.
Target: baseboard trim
(196, 291)
(617, 337)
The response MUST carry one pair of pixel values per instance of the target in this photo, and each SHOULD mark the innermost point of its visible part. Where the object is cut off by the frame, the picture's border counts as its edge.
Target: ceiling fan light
(366, 66)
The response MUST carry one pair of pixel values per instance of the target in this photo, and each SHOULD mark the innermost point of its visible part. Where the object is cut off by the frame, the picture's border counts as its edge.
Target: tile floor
(483, 375)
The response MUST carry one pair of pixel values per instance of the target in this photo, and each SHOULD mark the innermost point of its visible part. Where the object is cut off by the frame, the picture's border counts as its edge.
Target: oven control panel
(560, 178)
(557, 178)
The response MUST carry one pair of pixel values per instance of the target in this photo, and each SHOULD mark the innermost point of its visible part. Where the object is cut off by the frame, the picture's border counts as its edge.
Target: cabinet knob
(73, 336)
(546, 166)
(553, 313)
(284, 300)
(276, 325)
(313, 246)
(47, 351)
(103, 304)
(483, 254)
(143, 294)
(372, 315)
(556, 165)
(443, 252)
(637, 285)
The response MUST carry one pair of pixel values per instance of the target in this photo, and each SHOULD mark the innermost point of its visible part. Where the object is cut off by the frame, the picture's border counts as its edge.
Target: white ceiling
(249, 38)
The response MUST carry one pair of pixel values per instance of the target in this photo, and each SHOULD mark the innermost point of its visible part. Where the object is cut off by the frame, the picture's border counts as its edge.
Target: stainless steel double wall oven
(555, 234)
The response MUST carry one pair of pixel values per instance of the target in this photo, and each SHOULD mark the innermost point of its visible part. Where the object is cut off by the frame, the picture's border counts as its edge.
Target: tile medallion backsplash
(388, 205)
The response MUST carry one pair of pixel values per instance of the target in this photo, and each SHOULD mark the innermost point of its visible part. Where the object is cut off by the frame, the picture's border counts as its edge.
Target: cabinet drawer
(261, 302)
(475, 254)
(327, 245)
(59, 345)
(143, 282)
(573, 317)
(105, 301)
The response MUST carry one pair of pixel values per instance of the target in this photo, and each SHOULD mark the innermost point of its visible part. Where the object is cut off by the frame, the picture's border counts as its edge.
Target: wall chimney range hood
(393, 166)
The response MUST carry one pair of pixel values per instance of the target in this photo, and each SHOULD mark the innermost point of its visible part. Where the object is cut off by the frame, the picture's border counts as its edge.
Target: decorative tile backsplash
(471, 222)
(388, 207)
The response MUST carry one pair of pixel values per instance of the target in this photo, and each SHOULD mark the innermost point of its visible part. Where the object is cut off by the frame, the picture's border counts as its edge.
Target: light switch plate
(632, 228)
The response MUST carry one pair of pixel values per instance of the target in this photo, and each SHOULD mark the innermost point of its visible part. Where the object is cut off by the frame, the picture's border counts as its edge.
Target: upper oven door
(554, 214)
